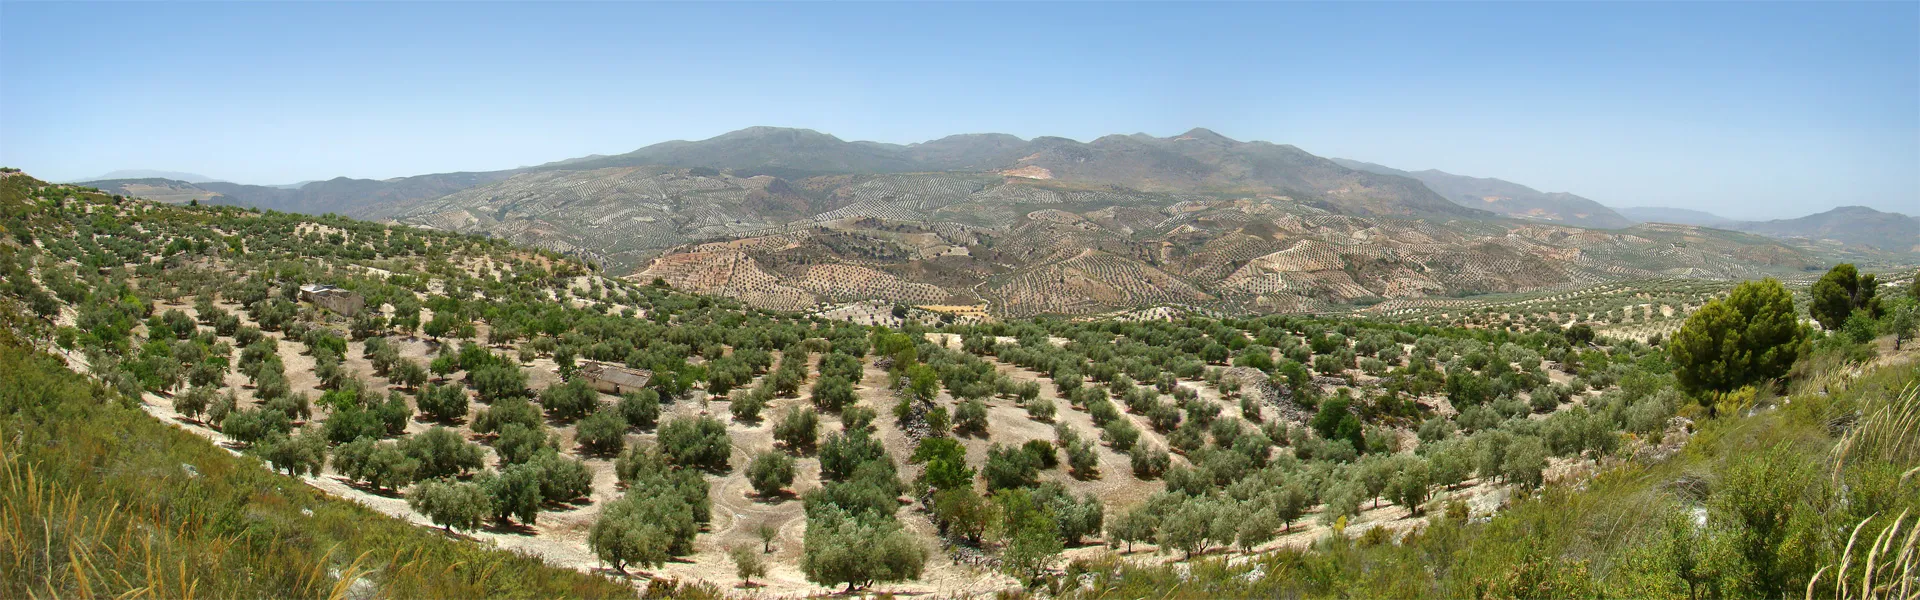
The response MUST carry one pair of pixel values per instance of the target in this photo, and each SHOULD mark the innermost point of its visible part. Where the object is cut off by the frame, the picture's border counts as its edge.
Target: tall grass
(99, 500)
(1888, 567)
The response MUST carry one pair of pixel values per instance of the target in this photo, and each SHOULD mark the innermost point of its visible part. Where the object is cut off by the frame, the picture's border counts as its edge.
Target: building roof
(615, 374)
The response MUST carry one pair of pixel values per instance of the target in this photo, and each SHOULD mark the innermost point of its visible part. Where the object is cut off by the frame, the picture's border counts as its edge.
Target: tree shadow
(508, 528)
(369, 488)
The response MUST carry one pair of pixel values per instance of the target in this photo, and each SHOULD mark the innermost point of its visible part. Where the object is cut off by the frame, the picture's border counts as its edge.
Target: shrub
(643, 529)
(770, 473)
(1040, 409)
(1148, 462)
(562, 479)
(696, 442)
(1748, 337)
(441, 453)
(1009, 467)
(496, 381)
(841, 549)
(603, 434)
(970, 418)
(746, 407)
(381, 465)
(832, 393)
(841, 455)
(443, 403)
(566, 402)
(517, 443)
(514, 493)
(797, 430)
(1043, 453)
(450, 504)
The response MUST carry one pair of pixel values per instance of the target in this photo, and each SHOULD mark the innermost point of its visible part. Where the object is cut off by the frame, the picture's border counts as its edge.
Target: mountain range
(1507, 198)
(793, 218)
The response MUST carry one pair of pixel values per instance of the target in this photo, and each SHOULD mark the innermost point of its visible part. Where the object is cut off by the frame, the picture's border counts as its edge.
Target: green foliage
(566, 402)
(202, 521)
(1748, 338)
(640, 409)
(443, 403)
(696, 442)
(450, 504)
(441, 453)
(797, 430)
(1009, 467)
(841, 549)
(1335, 421)
(602, 434)
(770, 473)
(946, 464)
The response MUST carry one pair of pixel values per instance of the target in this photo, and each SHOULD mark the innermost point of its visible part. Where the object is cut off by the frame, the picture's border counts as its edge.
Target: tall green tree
(1748, 337)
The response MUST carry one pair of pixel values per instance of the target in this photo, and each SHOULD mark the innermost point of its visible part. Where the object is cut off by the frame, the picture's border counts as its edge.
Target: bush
(496, 381)
(566, 402)
(603, 434)
(562, 479)
(970, 418)
(832, 393)
(1120, 434)
(517, 443)
(696, 442)
(841, 455)
(747, 406)
(797, 430)
(443, 403)
(770, 473)
(1148, 462)
(640, 409)
(1748, 337)
(1040, 409)
(1009, 467)
(514, 493)
(382, 465)
(1083, 461)
(506, 412)
(450, 504)
(441, 453)
(841, 549)
(1042, 452)
(643, 529)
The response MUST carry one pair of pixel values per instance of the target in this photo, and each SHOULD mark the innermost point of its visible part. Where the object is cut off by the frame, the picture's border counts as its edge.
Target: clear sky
(1750, 110)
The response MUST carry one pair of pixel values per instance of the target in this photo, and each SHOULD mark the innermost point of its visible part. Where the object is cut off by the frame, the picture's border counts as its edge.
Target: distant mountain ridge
(1678, 216)
(1861, 225)
(1506, 197)
(814, 174)
(152, 174)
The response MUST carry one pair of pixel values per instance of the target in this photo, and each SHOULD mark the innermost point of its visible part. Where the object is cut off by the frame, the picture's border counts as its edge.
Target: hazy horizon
(1747, 111)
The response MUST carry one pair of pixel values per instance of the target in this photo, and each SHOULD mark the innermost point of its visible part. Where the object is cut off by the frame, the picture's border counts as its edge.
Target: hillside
(339, 195)
(1679, 216)
(1859, 225)
(466, 395)
(1507, 198)
(1023, 246)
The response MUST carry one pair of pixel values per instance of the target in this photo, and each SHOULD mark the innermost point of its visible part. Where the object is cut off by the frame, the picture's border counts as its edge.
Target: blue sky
(1748, 110)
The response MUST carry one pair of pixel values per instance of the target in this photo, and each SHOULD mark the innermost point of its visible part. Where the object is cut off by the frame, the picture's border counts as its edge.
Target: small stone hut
(333, 298)
(614, 379)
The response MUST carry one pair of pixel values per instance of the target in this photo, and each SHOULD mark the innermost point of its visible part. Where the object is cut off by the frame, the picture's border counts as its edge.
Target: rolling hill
(1506, 197)
(1859, 225)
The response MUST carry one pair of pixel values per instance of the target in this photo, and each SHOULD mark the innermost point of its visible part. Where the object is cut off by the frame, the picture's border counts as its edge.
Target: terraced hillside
(1046, 250)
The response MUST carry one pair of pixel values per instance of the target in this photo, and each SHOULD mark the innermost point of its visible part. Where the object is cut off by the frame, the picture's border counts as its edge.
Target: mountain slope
(1206, 162)
(1893, 232)
(339, 195)
(152, 174)
(1506, 197)
(1681, 216)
